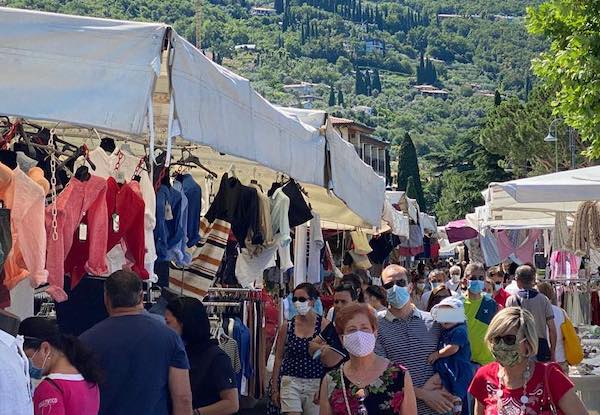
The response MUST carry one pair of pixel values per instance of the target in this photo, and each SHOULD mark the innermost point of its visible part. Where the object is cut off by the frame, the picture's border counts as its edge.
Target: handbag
(360, 261)
(573, 349)
(361, 243)
(548, 407)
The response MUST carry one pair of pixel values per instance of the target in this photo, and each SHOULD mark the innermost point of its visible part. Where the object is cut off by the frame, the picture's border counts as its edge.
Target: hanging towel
(315, 246)
(360, 242)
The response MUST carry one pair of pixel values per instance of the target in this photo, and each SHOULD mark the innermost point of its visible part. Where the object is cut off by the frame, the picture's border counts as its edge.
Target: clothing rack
(233, 290)
(221, 304)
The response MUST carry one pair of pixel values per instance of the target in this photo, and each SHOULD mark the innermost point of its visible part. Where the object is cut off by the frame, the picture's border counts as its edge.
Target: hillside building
(371, 149)
(262, 11)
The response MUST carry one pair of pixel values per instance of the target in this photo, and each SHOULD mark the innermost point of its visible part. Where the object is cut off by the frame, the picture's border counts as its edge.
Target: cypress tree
(376, 80)
(497, 98)
(421, 71)
(279, 6)
(408, 166)
(340, 98)
(368, 85)
(411, 191)
(331, 97)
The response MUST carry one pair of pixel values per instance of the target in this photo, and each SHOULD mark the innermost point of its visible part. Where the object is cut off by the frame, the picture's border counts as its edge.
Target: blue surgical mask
(397, 296)
(34, 372)
(435, 284)
(476, 286)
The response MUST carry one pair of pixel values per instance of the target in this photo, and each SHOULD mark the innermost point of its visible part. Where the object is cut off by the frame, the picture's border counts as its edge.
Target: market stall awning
(533, 201)
(86, 71)
(217, 108)
(459, 230)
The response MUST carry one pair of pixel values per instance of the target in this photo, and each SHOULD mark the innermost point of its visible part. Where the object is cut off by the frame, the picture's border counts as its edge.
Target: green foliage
(572, 65)
(340, 98)
(408, 171)
(516, 131)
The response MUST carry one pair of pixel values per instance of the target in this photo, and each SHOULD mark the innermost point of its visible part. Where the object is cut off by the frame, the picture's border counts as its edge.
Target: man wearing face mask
(496, 280)
(455, 275)
(439, 289)
(408, 336)
(479, 310)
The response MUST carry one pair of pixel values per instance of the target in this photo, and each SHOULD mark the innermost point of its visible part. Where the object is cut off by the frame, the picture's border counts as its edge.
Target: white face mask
(455, 278)
(359, 343)
(421, 286)
(302, 308)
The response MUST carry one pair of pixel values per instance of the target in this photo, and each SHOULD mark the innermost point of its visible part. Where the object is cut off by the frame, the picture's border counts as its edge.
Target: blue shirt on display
(135, 353)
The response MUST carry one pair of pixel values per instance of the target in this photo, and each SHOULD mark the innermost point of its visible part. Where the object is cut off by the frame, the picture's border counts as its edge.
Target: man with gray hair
(408, 336)
(144, 361)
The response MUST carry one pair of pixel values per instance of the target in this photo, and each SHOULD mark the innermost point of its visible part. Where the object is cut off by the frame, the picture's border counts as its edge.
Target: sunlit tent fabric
(533, 201)
(52, 66)
(218, 108)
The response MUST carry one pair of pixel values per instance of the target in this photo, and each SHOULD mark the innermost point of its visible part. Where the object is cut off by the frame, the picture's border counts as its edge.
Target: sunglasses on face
(399, 283)
(508, 339)
(299, 299)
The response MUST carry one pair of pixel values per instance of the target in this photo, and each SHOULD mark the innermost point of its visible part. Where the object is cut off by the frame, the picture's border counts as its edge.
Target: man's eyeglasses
(399, 283)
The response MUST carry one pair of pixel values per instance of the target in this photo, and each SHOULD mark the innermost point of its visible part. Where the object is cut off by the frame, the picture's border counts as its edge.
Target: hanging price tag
(168, 212)
(115, 222)
(83, 232)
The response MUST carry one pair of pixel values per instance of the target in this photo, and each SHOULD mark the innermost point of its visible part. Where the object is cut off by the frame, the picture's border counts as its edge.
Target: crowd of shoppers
(422, 343)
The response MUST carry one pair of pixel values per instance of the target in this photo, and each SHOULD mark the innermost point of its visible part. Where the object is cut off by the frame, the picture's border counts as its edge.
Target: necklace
(524, 400)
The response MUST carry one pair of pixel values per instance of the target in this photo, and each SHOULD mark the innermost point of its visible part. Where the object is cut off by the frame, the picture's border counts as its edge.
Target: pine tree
(340, 98)
(421, 71)
(497, 98)
(408, 166)
(376, 80)
(331, 97)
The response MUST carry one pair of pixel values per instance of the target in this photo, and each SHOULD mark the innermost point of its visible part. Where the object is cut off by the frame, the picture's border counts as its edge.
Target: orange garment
(25, 199)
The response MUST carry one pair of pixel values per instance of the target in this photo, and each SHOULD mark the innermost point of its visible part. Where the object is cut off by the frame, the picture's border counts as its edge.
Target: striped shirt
(410, 342)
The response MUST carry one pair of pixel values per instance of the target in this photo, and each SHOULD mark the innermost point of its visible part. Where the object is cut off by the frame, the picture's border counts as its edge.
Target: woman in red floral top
(367, 383)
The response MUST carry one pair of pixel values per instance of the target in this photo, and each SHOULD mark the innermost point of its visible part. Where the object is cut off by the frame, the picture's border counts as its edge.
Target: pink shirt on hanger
(80, 201)
(25, 199)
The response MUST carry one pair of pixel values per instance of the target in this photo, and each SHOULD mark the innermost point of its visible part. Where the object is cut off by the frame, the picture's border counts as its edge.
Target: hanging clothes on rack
(5, 247)
(300, 211)
(168, 232)
(25, 199)
(315, 246)
(193, 193)
(120, 162)
(81, 213)
(564, 265)
(125, 221)
(179, 251)
(414, 244)
(522, 251)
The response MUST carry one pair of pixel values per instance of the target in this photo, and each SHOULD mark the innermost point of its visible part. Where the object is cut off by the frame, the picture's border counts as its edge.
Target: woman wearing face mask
(300, 373)
(417, 291)
(515, 383)
(367, 383)
(455, 275)
(68, 371)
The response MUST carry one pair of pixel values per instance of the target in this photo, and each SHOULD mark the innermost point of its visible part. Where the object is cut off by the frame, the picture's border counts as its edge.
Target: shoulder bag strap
(548, 393)
(344, 389)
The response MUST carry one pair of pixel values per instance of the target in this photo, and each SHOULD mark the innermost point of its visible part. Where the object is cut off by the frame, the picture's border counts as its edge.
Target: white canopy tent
(104, 74)
(532, 202)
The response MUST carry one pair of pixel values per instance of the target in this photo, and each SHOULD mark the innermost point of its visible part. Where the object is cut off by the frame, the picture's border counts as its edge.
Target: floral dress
(382, 397)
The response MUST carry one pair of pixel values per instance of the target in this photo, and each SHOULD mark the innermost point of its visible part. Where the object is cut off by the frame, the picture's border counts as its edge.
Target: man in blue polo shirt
(144, 361)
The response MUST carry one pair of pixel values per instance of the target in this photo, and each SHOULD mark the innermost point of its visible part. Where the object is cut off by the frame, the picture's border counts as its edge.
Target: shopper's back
(136, 352)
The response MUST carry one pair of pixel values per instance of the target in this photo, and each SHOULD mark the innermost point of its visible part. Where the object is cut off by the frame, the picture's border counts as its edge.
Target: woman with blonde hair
(515, 383)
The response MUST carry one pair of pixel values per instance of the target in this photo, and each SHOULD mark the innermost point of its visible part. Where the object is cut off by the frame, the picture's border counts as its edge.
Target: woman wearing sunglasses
(300, 373)
(68, 370)
(516, 384)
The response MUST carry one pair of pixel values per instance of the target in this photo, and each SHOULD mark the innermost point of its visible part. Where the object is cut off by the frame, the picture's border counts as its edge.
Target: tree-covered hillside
(372, 53)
